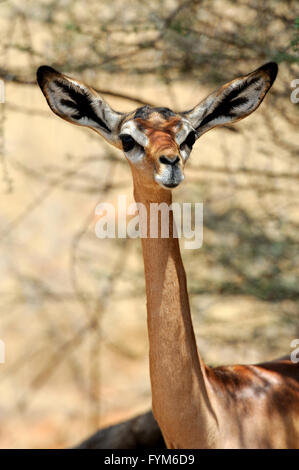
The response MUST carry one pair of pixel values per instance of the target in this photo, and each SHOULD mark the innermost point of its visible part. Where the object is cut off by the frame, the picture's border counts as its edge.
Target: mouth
(170, 185)
(169, 178)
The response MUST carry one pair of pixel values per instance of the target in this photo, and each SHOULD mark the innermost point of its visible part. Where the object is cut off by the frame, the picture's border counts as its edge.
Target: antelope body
(241, 406)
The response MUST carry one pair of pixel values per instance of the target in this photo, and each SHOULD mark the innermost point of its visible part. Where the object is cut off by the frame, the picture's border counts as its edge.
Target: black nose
(169, 160)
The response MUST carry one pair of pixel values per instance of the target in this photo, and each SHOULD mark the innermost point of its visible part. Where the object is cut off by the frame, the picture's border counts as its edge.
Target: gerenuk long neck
(180, 392)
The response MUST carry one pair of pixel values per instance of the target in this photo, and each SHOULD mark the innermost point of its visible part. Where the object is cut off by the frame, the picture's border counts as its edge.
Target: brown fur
(196, 406)
(241, 406)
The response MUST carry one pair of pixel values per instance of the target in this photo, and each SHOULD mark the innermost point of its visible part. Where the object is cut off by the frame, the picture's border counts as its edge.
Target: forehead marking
(160, 132)
(156, 123)
(146, 111)
(166, 134)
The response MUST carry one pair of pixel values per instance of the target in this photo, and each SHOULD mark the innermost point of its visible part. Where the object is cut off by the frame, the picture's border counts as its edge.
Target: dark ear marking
(224, 109)
(230, 102)
(81, 102)
(233, 101)
(166, 113)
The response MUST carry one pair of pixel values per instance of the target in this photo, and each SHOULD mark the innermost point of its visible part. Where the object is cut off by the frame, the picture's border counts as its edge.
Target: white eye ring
(136, 154)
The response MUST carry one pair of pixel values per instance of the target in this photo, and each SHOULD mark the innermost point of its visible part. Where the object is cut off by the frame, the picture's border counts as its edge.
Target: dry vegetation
(73, 313)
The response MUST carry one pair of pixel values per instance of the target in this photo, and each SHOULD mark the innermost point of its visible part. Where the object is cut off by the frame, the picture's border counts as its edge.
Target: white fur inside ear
(252, 94)
(81, 105)
(56, 94)
(196, 114)
(106, 113)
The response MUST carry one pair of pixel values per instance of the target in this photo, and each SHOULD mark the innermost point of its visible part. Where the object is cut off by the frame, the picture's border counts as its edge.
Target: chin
(169, 185)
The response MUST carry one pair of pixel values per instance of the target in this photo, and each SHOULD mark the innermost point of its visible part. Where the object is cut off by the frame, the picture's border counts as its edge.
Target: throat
(166, 287)
(176, 370)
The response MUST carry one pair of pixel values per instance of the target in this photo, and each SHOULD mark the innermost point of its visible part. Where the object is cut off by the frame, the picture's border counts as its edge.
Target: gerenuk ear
(233, 101)
(78, 103)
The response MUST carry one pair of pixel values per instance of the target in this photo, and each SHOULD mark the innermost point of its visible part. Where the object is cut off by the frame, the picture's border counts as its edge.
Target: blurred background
(73, 314)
